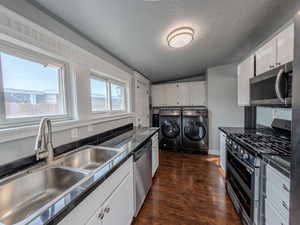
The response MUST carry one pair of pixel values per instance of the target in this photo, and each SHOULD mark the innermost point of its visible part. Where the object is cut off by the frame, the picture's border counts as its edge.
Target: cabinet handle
(278, 63)
(101, 215)
(284, 205)
(285, 187)
(107, 210)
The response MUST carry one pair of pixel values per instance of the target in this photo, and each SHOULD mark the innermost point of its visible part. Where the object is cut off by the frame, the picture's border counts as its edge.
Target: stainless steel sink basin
(89, 158)
(25, 195)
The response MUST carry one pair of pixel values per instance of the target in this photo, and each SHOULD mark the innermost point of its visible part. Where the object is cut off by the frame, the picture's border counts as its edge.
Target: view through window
(31, 89)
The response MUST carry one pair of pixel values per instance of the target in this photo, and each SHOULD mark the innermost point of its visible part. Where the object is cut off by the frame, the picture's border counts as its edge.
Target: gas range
(244, 152)
(260, 144)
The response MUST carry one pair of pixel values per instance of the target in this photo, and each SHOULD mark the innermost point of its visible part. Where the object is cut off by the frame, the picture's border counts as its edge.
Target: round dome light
(180, 37)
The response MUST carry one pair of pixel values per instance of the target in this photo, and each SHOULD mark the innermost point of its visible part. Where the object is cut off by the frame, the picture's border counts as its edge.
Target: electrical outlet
(90, 128)
(275, 114)
(74, 133)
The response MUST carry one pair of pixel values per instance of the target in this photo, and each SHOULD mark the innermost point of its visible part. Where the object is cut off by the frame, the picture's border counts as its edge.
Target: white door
(197, 93)
(172, 94)
(266, 57)
(184, 96)
(142, 104)
(245, 73)
(158, 94)
(222, 137)
(118, 209)
(285, 46)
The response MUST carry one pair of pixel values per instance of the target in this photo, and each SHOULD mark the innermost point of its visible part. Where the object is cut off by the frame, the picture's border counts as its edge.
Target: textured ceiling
(135, 31)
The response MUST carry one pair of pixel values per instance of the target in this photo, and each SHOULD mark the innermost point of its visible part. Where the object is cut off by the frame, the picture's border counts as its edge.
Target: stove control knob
(246, 156)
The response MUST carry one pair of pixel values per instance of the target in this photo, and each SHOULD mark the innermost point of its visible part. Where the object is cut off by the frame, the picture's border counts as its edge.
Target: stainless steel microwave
(273, 88)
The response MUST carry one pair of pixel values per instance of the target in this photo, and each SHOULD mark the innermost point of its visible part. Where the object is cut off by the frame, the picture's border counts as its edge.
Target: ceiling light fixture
(180, 37)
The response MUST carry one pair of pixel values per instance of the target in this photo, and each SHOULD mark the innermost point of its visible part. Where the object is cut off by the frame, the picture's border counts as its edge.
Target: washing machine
(170, 129)
(195, 130)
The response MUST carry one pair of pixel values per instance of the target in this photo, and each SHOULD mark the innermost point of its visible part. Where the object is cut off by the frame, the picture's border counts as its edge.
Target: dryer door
(195, 130)
(170, 128)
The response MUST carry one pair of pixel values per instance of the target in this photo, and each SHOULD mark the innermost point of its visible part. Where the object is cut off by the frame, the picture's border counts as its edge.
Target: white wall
(222, 102)
(82, 57)
(266, 115)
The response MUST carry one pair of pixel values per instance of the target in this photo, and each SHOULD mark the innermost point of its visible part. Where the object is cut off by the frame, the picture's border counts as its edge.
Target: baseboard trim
(213, 152)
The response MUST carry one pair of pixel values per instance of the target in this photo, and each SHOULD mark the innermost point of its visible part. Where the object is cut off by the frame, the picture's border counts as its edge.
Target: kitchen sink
(25, 195)
(89, 158)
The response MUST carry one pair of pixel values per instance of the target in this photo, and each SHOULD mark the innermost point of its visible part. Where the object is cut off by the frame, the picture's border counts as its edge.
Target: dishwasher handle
(140, 152)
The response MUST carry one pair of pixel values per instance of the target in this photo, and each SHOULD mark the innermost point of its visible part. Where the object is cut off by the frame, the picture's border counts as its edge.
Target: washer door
(170, 129)
(194, 130)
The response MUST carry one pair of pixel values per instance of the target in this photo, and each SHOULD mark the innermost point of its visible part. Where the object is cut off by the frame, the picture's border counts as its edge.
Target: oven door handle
(278, 84)
(248, 168)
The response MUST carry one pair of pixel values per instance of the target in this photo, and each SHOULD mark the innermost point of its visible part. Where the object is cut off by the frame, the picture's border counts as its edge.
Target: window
(118, 94)
(33, 87)
(107, 95)
(99, 97)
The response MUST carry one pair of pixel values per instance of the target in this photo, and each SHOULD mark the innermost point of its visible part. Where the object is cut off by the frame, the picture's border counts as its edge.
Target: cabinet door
(172, 94)
(184, 97)
(222, 137)
(155, 154)
(245, 73)
(197, 93)
(266, 57)
(285, 46)
(119, 208)
(158, 95)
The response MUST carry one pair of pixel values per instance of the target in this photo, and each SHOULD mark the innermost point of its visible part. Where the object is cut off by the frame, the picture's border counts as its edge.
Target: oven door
(240, 185)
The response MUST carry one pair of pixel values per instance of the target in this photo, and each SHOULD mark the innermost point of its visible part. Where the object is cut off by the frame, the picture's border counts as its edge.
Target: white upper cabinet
(172, 94)
(266, 57)
(184, 98)
(197, 93)
(158, 95)
(276, 52)
(179, 94)
(245, 73)
(285, 46)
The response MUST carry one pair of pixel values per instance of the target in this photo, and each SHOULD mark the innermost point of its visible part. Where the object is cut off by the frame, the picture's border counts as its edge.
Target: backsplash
(266, 115)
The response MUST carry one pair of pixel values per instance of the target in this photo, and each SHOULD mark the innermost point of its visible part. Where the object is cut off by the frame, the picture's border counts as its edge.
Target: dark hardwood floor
(187, 190)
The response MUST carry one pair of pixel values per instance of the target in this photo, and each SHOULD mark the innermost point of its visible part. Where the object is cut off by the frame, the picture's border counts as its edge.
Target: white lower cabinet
(222, 141)
(111, 203)
(277, 195)
(155, 154)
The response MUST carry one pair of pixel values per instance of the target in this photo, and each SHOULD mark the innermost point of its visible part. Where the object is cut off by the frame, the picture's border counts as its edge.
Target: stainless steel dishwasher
(142, 174)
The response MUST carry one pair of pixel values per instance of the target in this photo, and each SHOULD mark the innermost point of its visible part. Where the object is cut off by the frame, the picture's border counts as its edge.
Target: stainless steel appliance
(195, 130)
(244, 152)
(273, 88)
(142, 174)
(170, 128)
(295, 162)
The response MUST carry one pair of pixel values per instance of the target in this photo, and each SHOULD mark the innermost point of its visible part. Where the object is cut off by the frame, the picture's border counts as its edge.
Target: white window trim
(65, 87)
(99, 76)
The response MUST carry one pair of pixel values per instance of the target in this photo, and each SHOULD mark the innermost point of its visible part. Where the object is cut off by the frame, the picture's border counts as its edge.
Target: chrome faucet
(43, 144)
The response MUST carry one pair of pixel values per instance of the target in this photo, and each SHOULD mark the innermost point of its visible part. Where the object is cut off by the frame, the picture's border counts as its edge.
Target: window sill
(17, 133)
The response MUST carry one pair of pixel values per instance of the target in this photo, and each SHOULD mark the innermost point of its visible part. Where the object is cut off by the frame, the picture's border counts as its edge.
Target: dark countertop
(281, 163)
(126, 144)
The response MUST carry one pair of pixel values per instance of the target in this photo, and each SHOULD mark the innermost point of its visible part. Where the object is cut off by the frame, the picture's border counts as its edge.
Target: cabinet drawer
(279, 200)
(272, 217)
(278, 181)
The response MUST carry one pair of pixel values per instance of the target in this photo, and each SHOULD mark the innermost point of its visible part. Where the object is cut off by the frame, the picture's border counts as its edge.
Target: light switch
(90, 128)
(74, 133)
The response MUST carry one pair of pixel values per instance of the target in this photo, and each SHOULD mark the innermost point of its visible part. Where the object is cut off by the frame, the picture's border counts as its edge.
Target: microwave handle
(277, 85)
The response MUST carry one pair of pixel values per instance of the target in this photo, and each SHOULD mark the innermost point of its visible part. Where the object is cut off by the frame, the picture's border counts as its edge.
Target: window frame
(64, 87)
(125, 95)
(94, 76)
(98, 76)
